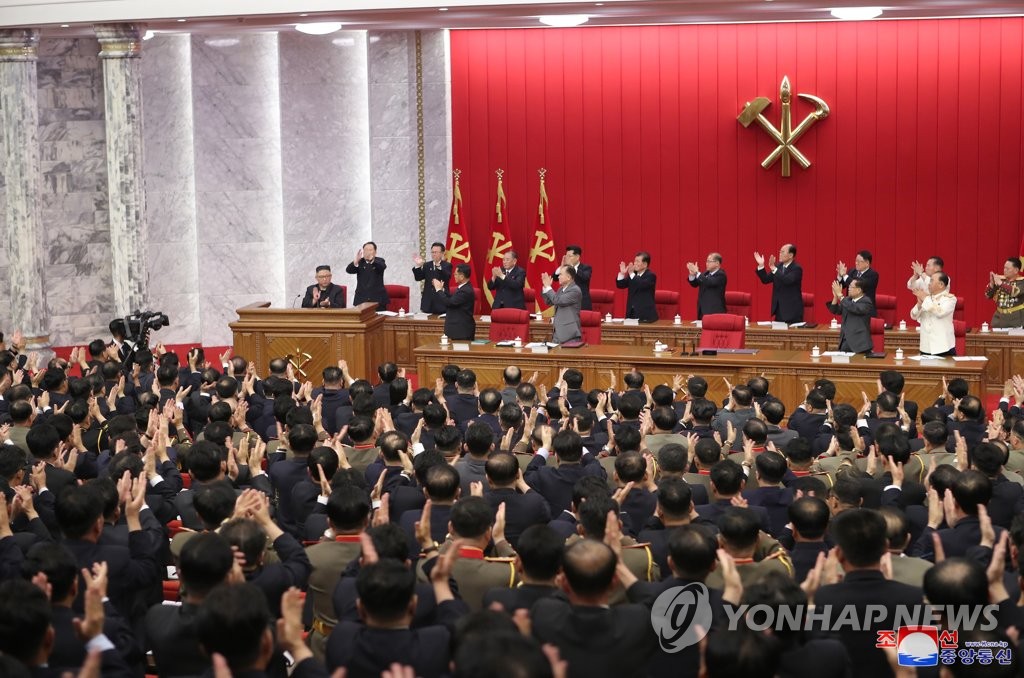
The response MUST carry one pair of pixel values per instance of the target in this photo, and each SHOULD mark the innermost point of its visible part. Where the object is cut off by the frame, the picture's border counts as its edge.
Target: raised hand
(771, 261)
(622, 268)
(759, 258)
(417, 260)
(546, 279)
(692, 268)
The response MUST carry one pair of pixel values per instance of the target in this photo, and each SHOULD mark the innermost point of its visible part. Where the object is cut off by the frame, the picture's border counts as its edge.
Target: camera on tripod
(136, 327)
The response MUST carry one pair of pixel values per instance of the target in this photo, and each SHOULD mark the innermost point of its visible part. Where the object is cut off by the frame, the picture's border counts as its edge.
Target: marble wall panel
(168, 170)
(77, 273)
(236, 111)
(325, 154)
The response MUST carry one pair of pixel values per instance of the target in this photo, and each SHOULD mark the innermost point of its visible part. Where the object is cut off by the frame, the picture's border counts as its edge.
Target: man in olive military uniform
(739, 531)
(348, 511)
(475, 524)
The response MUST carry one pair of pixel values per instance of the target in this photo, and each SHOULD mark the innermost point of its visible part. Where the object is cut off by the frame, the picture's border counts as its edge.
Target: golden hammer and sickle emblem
(542, 247)
(294, 360)
(457, 249)
(786, 137)
(497, 251)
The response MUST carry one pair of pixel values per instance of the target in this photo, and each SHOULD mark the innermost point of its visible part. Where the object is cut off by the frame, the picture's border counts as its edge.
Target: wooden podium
(311, 339)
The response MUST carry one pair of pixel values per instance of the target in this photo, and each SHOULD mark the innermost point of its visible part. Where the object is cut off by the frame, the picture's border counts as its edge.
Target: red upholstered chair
(603, 301)
(738, 303)
(398, 297)
(478, 303)
(878, 334)
(958, 312)
(885, 304)
(509, 323)
(530, 297)
(667, 303)
(722, 330)
(591, 326)
(960, 334)
(808, 307)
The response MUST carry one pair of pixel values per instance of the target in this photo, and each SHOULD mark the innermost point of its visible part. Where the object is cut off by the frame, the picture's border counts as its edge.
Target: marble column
(19, 121)
(120, 49)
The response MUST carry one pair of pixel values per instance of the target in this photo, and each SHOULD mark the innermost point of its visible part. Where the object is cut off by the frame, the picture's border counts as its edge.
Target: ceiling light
(65, 25)
(563, 20)
(304, 14)
(319, 27)
(222, 42)
(442, 9)
(148, 34)
(181, 21)
(856, 13)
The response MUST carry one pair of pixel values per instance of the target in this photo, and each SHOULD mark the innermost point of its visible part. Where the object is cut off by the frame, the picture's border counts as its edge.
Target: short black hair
(703, 410)
(970, 489)
(861, 535)
(630, 466)
(707, 451)
(78, 509)
(231, 621)
(771, 466)
(442, 482)
(672, 458)
(540, 549)
(204, 562)
(248, 536)
(727, 477)
(694, 551)
(348, 507)
(675, 497)
(25, 620)
(739, 527)
(56, 562)
(810, 517)
(664, 418)
(479, 438)
(471, 517)
(697, 387)
(568, 446)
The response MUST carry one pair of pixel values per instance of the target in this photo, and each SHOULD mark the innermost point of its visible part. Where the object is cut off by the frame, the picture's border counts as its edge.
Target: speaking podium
(311, 339)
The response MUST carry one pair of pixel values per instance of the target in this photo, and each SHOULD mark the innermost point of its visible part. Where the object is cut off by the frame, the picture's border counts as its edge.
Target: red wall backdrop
(637, 127)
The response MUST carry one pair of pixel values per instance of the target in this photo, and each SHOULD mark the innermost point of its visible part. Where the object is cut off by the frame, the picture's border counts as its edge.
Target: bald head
(589, 568)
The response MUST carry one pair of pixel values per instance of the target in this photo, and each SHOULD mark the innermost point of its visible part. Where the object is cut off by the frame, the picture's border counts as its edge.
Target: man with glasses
(711, 284)
(323, 293)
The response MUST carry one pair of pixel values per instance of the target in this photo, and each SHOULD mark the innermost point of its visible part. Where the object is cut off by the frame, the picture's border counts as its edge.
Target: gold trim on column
(19, 44)
(420, 152)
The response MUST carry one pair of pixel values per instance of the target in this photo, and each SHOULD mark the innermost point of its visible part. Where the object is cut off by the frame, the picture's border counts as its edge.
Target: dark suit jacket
(711, 294)
(334, 294)
(597, 641)
(868, 282)
(555, 483)
(804, 555)
(369, 282)
(439, 515)
(521, 511)
(787, 295)
(171, 635)
(520, 598)
(774, 500)
(508, 292)
(131, 571)
(640, 299)
(584, 272)
(711, 513)
(855, 331)
(640, 505)
(463, 407)
(807, 424)
(859, 589)
(334, 399)
(458, 304)
(429, 272)
(366, 652)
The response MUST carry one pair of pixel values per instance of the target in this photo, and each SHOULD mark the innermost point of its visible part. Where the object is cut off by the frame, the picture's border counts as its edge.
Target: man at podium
(323, 293)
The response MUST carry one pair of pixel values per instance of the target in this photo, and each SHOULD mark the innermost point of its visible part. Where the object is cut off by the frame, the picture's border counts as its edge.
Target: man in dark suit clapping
(640, 281)
(711, 283)
(583, 273)
(436, 269)
(786, 279)
(458, 321)
(369, 271)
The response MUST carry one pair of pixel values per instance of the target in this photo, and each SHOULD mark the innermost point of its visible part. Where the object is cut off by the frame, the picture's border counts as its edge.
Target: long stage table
(788, 371)
(1005, 353)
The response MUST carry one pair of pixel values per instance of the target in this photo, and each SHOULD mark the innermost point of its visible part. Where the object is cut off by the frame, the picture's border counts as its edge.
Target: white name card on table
(460, 347)
(780, 326)
(840, 358)
(631, 321)
(543, 348)
(764, 323)
(1016, 332)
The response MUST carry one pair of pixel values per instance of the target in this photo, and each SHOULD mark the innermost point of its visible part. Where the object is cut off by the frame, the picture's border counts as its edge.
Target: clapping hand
(841, 269)
(759, 258)
(622, 268)
(546, 279)
(417, 259)
(692, 268)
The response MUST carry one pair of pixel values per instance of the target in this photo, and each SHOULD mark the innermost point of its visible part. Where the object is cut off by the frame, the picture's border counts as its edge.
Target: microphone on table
(297, 297)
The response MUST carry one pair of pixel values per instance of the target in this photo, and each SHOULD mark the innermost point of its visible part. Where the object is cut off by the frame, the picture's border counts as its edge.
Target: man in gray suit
(567, 301)
(856, 309)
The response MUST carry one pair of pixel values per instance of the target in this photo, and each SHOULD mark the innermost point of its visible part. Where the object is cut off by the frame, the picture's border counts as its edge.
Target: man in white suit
(567, 301)
(934, 311)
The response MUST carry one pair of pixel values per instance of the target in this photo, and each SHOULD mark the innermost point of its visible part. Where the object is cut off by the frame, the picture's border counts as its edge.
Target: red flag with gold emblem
(501, 240)
(457, 250)
(542, 250)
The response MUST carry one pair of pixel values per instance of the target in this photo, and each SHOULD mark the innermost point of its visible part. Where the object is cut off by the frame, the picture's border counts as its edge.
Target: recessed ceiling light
(180, 21)
(564, 20)
(304, 14)
(148, 34)
(319, 27)
(442, 9)
(599, 4)
(65, 25)
(856, 13)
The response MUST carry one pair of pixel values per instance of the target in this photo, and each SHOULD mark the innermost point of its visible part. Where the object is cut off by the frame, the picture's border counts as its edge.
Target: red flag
(501, 240)
(542, 252)
(457, 251)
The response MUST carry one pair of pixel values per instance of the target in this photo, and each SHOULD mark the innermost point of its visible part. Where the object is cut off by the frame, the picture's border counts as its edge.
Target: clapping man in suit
(508, 283)
(566, 302)
(369, 271)
(856, 309)
(436, 269)
(583, 273)
(711, 283)
(640, 281)
(323, 293)
(458, 319)
(786, 279)
(862, 272)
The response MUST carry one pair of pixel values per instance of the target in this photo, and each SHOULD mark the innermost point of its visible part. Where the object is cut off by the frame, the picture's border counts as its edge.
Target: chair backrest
(590, 322)
(478, 301)
(878, 334)
(722, 330)
(808, 307)
(344, 296)
(667, 303)
(603, 301)
(885, 304)
(738, 303)
(960, 334)
(398, 297)
(530, 299)
(509, 323)
(958, 312)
